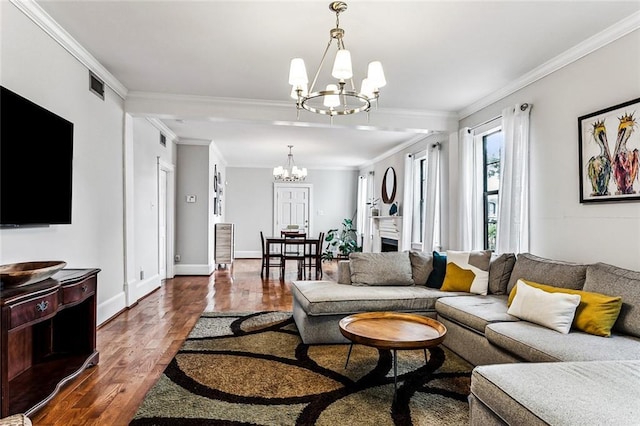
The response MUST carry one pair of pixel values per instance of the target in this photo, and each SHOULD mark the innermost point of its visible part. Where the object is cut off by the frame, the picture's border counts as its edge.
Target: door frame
(277, 186)
(169, 209)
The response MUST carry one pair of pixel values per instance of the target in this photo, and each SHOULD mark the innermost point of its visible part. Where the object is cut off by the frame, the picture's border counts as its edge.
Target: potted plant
(343, 241)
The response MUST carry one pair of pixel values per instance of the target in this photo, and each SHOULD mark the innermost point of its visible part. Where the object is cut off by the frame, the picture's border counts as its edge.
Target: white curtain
(513, 199)
(361, 218)
(407, 203)
(431, 197)
(466, 179)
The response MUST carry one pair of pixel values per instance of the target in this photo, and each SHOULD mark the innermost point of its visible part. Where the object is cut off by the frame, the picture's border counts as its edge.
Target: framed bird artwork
(608, 149)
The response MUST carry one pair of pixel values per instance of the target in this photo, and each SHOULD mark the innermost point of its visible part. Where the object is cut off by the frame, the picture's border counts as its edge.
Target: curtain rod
(523, 107)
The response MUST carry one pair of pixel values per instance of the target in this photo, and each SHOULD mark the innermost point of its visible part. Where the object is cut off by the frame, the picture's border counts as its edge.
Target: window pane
(493, 145)
(492, 220)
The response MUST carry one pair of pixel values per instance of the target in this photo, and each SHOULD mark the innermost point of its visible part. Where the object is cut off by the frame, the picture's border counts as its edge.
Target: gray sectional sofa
(525, 373)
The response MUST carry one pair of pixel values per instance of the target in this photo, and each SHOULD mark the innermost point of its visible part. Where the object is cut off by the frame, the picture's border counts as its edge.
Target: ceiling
(441, 58)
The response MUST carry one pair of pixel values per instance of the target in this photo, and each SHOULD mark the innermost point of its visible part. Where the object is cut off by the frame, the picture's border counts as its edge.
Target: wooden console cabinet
(48, 338)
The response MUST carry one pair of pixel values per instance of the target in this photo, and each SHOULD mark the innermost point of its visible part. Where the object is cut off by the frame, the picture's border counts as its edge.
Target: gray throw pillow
(421, 266)
(388, 268)
(615, 281)
(556, 273)
(500, 271)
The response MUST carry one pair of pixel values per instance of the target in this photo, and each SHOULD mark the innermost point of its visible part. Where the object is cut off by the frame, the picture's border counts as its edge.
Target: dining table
(280, 241)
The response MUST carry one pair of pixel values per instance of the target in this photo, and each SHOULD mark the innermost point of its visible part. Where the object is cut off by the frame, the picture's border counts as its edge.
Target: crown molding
(163, 129)
(611, 34)
(198, 142)
(34, 12)
(414, 140)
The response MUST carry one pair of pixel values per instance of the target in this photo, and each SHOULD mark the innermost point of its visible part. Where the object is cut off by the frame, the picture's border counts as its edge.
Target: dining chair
(294, 250)
(276, 258)
(313, 257)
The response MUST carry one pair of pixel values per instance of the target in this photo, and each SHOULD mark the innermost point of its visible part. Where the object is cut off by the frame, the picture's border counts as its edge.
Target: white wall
(146, 152)
(195, 222)
(561, 227)
(249, 201)
(36, 67)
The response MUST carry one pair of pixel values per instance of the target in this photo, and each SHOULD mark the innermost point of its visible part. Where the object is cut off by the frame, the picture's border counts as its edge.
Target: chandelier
(290, 172)
(341, 98)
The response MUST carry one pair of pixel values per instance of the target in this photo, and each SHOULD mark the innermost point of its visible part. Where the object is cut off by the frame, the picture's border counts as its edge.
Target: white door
(162, 224)
(292, 206)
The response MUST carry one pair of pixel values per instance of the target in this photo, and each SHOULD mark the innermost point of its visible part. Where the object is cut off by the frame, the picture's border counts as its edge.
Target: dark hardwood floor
(136, 346)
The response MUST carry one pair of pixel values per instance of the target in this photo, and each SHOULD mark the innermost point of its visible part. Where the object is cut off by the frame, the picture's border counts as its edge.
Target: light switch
(191, 198)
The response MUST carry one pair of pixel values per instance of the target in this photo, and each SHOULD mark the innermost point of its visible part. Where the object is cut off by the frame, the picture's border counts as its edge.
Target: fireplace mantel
(385, 227)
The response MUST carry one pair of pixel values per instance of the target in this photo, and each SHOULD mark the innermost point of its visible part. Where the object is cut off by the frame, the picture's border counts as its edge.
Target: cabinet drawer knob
(84, 288)
(42, 306)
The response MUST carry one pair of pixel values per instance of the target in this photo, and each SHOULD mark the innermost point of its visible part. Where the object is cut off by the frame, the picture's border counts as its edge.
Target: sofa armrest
(344, 272)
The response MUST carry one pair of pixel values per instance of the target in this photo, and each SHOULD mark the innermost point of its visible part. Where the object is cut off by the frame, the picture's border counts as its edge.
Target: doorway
(166, 202)
(292, 205)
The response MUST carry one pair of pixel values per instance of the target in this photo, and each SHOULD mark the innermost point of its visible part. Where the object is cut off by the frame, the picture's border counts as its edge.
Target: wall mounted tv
(36, 161)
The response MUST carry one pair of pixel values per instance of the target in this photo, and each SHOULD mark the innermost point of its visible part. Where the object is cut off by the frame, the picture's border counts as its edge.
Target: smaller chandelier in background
(336, 99)
(290, 172)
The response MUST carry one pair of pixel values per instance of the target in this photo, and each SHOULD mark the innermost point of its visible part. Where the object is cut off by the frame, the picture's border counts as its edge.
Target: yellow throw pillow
(596, 313)
(457, 279)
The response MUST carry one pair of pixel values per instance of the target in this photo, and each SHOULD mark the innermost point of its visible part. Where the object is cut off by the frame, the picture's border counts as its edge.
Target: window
(419, 182)
(425, 199)
(491, 148)
(488, 141)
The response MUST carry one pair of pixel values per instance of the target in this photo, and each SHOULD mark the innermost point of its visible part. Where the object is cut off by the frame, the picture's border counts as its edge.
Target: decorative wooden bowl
(25, 273)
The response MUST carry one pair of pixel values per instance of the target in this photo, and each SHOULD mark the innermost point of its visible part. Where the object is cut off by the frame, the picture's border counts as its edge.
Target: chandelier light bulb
(342, 66)
(298, 73)
(375, 74)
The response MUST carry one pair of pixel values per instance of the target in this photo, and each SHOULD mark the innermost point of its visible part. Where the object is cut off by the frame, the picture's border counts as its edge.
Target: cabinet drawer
(33, 310)
(78, 291)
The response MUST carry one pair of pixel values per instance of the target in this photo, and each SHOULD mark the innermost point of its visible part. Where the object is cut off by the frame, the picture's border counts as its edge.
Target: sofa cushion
(467, 271)
(439, 270)
(553, 272)
(388, 268)
(500, 271)
(552, 310)
(615, 281)
(535, 343)
(595, 314)
(421, 266)
(563, 393)
(331, 298)
(475, 311)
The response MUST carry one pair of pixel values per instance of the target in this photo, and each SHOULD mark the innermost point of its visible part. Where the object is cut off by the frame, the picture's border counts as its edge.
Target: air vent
(96, 85)
(163, 140)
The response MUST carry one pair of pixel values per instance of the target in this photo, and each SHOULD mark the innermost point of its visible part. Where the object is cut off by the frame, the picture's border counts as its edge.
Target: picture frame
(608, 154)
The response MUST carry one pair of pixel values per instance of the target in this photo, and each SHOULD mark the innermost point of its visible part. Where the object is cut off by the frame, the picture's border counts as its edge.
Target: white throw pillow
(551, 310)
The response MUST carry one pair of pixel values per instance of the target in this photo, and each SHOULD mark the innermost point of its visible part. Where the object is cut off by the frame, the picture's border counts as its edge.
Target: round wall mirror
(389, 186)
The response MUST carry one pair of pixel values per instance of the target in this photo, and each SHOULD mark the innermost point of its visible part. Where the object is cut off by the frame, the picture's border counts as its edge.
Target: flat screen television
(36, 162)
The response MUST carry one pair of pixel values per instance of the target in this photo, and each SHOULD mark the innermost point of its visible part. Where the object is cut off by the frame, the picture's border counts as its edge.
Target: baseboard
(193, 269)
(110, 308)
(146, 286)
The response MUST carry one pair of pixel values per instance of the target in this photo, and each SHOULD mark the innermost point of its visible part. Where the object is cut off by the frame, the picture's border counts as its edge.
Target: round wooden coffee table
(392, 330)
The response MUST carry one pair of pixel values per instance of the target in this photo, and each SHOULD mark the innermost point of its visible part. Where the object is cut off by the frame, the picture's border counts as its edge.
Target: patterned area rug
(253, 369)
